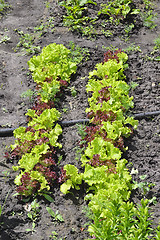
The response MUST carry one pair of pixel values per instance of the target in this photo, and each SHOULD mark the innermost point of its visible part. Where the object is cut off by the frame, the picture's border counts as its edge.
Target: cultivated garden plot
(77, 60)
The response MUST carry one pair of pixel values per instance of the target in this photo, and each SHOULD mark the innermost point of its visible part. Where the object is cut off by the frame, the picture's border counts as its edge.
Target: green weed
(129, 28)
(55, 215)
(33, 213)
(77, 53)
(2, 206)
(133, 85)
(3, 6)
(157, 43)
(132, 48)
(28, 94)
(53, 236)
(26, 43)
(73, 91)
(65, 109)
(143, 185)
(148, 15)
(81, 130)
(4, 39)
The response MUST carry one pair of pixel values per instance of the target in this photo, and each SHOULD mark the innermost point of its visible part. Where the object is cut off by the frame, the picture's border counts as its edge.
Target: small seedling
(56, 216)
(47, 3)
(132, 48)
(156, 48)
(50, 24)
(73, 91)
(77, 53)
(27, 43)
(33, 213)
(3, 6)
(149, 19)
(79, 150)
(59, 159)
(13, 213)
(53, 236)
(81, 130)
(157, 43)
(2, 206)
(28, 94)
(4, 39)
(142, 185)
(5, 110)
(129, 28)
(148, 16)
(65, 110)
(133, 85)
(6, 173)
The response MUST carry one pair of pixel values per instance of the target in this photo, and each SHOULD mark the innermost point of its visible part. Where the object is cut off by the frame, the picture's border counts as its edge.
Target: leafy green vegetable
(55, 215)
(45, 121)
(53, 64)
(106, 150)
(117, 10)
(53, 136)
(74, 179)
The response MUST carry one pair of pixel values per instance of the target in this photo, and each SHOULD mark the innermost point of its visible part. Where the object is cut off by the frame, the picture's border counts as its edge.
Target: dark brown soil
(143, 147)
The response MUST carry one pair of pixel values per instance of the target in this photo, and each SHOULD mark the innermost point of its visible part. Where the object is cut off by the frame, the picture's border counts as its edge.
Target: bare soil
(143, 147)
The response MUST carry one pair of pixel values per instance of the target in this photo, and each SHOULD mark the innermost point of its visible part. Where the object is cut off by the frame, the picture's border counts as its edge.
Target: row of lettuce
(92, 18)
(37, 145)
(112, 214)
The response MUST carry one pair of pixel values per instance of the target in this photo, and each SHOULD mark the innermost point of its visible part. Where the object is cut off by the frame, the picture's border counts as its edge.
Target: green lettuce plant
(120, 220)
(104, 149)
(50, 69)
(72, 180)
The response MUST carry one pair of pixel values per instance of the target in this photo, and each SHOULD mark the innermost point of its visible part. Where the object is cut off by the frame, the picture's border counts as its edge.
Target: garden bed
(143, 145)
